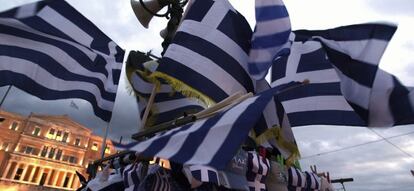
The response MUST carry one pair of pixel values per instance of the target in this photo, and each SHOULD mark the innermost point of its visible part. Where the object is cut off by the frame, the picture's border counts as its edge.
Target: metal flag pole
(5, 95)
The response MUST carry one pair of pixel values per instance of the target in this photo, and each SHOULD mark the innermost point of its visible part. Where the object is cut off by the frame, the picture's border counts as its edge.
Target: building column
(75, 183)
(6, 171)
(32, 173)
(72, 176)
(55, 178)
(25, 167)
(65, 173)
(40, 175)
(48, 176)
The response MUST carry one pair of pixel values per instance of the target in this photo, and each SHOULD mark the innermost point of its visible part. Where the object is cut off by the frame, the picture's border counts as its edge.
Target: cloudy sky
(355, 152)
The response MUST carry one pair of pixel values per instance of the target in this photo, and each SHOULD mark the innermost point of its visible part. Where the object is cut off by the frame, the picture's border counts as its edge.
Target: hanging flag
(213, 141)
(208, 56)
(168, 104)
(51, 51)
(270, 38)
(342, 66)
(355, 51)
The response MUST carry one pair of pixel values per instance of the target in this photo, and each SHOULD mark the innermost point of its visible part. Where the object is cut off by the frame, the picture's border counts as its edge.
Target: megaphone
(141, 12)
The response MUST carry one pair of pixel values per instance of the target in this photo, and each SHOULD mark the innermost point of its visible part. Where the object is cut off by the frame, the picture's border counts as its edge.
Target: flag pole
(104, 139)
(148, 108)
(5, 95)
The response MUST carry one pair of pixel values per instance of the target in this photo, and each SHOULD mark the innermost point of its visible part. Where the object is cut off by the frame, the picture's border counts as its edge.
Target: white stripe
(263, 3)
(380, 111)
(216, 14)
(45, 79)
(144, 87)
(218, 134)
(314, 77)
(65, 26)
(174, 144)
(27, 10)
(369, 51)
(166, 106)
(205, 67)
(316, 103)
(59, 56)
(272, 27)
(263, 55)
(354, 92)
(19, 25)
(217, 38)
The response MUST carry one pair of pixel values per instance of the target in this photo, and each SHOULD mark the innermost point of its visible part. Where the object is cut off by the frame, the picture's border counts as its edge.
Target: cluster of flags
(330, 77)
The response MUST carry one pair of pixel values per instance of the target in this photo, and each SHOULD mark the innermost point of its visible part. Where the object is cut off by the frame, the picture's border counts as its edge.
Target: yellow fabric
(276, 133)
(183, 88)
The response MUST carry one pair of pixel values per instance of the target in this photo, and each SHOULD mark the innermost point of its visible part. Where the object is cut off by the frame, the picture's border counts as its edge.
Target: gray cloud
(395, 7)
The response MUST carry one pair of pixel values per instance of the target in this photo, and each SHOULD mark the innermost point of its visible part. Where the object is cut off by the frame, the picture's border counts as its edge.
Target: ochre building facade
(45, 150)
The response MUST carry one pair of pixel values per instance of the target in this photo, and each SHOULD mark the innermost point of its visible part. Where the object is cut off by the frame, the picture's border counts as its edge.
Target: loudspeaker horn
(143, 16)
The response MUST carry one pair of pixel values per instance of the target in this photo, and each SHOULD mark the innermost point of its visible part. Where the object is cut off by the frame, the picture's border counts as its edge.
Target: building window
(65, 137)
(14, 126)
(2, 119)
(77, 142)
(36, 131)
(59, 136)
(44, 151)
(59, 154)
(28, 150)
(107, 150)
(18, 174)
(51, 152)
(94, 147)
(73, 159)
(51, 134)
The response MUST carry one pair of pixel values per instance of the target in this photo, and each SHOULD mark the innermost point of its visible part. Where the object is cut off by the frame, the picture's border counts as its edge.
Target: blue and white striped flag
(213, 141)
(342, 66)
(208, 56)
(355, 51)
(168, 104)
(270, 38)
(51, 51)
(296, 180)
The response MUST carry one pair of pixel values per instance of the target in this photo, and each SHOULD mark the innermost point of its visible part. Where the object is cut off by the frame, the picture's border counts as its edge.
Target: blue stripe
(100, 40)
(325, 117)
(134, 177)
(161, 142)
(362, 112)
(261, 126)
(114, 186)
(279, 68)
(193, 141)
(351, 32)
(39, 24)
(53, 67)
(361, 72)
(98, 65)
(401, 107)
(236, 27)
(192, 78)
(217, 55)
(272, 12)
(198, 10)
(196, 174)
(309, 90)
(269, 41)
(240, 130)
(314, 61)
(28, 85)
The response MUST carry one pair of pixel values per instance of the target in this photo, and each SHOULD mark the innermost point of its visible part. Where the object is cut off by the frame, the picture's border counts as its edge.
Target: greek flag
(355, 51)
(208, 56)
(213, 141)
(51, 51)
(168, 104)
(270, 38)
(296, 180)
(346, 86)
(258, 168)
